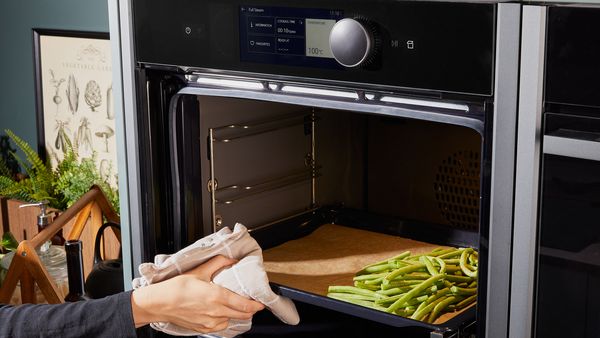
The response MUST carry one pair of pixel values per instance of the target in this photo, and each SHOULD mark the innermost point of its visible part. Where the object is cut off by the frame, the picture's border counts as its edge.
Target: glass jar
(54, 260)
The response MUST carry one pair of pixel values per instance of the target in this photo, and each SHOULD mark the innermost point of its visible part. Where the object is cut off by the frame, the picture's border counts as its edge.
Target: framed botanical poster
(74, 97)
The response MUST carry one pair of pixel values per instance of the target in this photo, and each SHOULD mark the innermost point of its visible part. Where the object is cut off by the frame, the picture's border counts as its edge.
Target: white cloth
(247, 277)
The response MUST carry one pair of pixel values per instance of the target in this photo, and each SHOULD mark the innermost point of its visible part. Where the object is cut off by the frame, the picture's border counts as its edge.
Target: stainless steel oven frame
(534, 145)
(503, 146)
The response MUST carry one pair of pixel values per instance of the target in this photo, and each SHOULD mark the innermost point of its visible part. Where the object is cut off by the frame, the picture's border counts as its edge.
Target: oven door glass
(568, 292)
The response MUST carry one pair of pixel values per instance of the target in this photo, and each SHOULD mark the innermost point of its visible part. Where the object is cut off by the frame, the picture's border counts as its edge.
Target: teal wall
(17, 19)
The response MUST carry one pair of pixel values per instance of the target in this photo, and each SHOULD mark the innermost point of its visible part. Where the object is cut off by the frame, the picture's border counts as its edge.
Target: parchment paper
(332, 254)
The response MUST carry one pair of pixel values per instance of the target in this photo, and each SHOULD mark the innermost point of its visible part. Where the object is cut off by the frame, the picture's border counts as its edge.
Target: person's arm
(188, 300)
(106, 317)
(191, 301)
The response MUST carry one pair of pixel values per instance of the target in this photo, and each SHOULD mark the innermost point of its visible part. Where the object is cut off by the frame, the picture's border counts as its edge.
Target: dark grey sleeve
(109, 317)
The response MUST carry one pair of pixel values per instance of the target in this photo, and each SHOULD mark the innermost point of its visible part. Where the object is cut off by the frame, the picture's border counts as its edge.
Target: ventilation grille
(457, 189)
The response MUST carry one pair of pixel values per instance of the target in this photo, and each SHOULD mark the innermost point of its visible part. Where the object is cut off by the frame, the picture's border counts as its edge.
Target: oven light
(424, 103)
(317, 91)
(254, 85)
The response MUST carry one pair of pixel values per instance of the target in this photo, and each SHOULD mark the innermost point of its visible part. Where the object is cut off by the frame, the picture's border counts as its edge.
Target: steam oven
(336, 131)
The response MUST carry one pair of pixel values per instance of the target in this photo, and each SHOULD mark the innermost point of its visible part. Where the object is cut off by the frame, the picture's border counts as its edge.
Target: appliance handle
(572, 147)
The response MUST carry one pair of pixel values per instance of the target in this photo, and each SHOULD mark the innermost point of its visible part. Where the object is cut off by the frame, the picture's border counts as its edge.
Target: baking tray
(303, 268)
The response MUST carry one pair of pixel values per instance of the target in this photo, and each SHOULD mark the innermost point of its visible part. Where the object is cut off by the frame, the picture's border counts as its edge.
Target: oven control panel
(305, 37)
(291, 36)
(411, 45)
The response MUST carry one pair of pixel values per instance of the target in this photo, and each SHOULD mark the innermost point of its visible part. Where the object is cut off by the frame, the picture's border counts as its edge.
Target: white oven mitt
(247, 277)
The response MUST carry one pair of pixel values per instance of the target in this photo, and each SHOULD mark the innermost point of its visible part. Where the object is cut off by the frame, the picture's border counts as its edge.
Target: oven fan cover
(457, 187)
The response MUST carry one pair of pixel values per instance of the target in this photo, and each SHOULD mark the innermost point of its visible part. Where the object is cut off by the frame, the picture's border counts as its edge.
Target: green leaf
(9, 242)
(63, 186)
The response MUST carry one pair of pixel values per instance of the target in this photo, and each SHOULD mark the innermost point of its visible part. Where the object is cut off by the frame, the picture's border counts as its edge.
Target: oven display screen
(288, 36)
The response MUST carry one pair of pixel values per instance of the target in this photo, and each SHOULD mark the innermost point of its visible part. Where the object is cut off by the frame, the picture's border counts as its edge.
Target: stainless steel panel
(125, 115)
(527, 170)
(585, 150)
(503, 161)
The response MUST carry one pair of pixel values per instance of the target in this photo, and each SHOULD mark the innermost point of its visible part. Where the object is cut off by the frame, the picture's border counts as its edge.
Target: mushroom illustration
(105, 132)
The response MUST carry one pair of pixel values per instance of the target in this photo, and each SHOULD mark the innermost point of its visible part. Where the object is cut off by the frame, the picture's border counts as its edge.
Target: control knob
(352, 42)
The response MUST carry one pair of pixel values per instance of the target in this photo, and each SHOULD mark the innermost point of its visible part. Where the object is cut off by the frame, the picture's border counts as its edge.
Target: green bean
(378, 268)
(376, 281)
(404, 270)
(400, 256)
(413, 276)
(437, 295)
(463, 291)
(453, 268)
(354, 290)
(369, 276)
(458, 279)
(362, 285)
(454, 261)
(442, 252)
(425, 260)
(362, 303)
(404, 312)
(351, 296)
(395, 258)
(466, 302)
(401, 282)
(425, 309)
(463, 264)
(394, 291)
(414, 292)
(473, 284)
(412, 302)
(437, 309)
(472, 260)
(453, 253)
(442, 265)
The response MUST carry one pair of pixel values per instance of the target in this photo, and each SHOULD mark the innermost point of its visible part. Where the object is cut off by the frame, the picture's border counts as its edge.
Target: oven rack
(232, 132)
(236, 131)
(234, 192)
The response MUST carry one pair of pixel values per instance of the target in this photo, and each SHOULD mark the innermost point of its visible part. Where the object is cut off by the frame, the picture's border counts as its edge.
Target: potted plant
(61, 187)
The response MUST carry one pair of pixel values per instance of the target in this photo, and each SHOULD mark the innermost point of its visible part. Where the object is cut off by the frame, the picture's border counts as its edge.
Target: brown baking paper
(332, 254)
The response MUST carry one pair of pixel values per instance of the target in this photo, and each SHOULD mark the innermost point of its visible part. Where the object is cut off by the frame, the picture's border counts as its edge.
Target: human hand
(191, 301)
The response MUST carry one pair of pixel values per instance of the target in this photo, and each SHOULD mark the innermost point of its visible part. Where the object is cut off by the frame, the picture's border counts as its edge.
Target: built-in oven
(556, 272)
(569, 224)
(336, 131)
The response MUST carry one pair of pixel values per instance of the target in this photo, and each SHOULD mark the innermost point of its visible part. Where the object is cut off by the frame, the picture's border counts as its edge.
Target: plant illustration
(83, 139)
(93, 96)
(56, 83)
(61, 137)
(72, 94)
(110, 112)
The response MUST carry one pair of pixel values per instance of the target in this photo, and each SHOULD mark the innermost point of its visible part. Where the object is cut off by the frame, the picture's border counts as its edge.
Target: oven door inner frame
(369, 103)
(469, 115)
